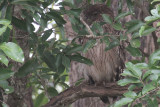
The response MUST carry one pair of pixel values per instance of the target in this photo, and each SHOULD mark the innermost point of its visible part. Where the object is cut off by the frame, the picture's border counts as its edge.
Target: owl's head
(94, 13)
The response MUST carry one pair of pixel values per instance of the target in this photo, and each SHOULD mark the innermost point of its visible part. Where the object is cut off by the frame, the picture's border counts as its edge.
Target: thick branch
(83, 90)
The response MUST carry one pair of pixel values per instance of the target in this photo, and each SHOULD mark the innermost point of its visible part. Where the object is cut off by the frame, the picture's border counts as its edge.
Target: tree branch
(72, 94)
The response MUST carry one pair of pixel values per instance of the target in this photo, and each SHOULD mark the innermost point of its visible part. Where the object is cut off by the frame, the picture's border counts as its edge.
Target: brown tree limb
(72, 94)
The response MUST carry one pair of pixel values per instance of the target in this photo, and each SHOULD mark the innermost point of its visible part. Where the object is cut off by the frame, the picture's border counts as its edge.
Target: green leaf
(107, 18)
(106, 40)
(147, 88)
(56, 16)
(130, 5)
(154, 12)
(21, 24)
(133, 25)
(5, 22)
(46, 35)
(4, 84)
(146, 75)
(142, 65)
(158, 24)
(126, 81)
(74, 49)
(117, 26)
(133, 51)
(153, 77)
(40, 100)
(122, 102)
(148, 30)
(13, 51)
(138, 105)
(132, 87)
(3, 59)
(58, 60)
(141, 30)
(5, 74)
(136, 71)
(66, 61)
(112, 45)
(81, 59)
(3, 29)
(49, 59)
(152, 102)
(52, 91)
(151, 18)
(135, 43)
(29, 67)
(122, 15)
(97, 28)
(88, 45)
(154, 57)
(130, 94)
(128, 73)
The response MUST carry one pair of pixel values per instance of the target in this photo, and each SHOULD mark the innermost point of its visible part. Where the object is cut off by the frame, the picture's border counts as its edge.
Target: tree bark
(84, 90)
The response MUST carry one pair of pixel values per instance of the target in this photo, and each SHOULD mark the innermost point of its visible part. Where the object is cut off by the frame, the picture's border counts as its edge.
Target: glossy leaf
(128, 73)
(130, 94)
(126, 81)
(136, 71)
(13, 51)
(122, 102)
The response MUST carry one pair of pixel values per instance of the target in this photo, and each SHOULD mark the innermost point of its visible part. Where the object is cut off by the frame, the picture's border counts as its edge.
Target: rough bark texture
(72, 94)
(22, 96)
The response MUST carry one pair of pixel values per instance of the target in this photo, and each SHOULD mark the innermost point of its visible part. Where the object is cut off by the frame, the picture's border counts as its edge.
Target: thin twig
(88, 28)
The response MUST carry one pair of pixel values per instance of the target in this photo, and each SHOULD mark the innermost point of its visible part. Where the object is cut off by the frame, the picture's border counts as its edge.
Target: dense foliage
(50, 59)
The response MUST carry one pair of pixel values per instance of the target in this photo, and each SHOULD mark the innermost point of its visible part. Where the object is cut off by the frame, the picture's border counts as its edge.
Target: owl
(107, 65)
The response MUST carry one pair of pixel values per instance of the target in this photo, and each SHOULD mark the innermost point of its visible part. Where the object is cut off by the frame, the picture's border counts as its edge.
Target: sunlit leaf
(130, 94)
(13, 51)
(126, 81)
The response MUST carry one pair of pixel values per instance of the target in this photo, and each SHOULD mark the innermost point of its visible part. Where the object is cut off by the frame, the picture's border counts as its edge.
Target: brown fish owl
(107, 65)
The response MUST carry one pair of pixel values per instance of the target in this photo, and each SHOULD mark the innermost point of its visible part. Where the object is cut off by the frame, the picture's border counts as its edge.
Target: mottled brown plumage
(106, 65)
